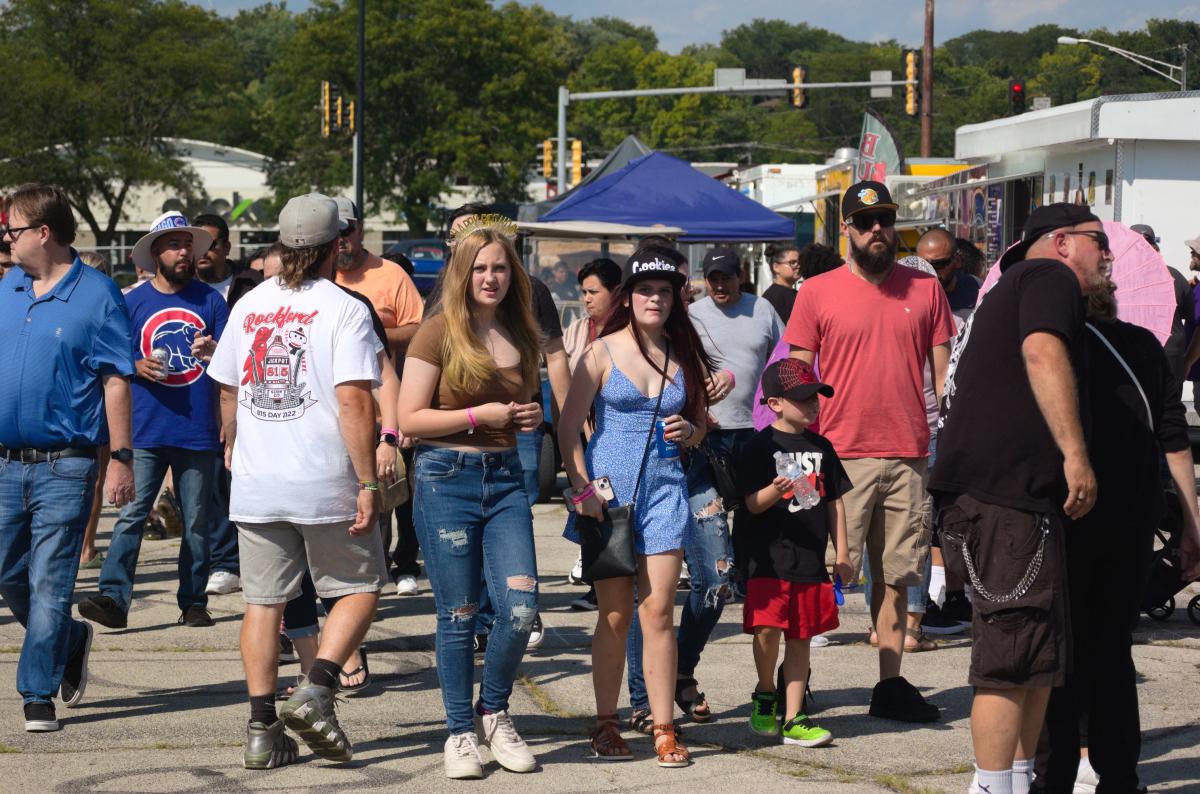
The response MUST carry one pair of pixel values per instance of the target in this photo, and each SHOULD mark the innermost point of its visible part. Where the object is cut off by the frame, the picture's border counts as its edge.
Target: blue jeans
(44, 508)
(194, 473)
(471, 515)
(709, 546)
(223, 540)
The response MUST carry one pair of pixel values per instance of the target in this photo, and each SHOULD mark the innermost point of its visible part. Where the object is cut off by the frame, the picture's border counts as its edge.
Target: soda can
(666, 449)
(162, 356)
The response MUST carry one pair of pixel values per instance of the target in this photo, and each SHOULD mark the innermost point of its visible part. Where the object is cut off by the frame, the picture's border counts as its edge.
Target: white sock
(937, 585)
(1022, 776)
(990, 782)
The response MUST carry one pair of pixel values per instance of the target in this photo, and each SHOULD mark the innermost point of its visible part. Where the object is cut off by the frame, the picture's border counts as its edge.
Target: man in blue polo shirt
(66, 356)
(175, 419)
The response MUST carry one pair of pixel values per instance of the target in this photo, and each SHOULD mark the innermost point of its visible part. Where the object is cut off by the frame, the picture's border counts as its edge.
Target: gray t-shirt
(739, 339)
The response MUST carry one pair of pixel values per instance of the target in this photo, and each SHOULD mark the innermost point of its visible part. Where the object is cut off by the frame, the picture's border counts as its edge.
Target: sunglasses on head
(865, 221)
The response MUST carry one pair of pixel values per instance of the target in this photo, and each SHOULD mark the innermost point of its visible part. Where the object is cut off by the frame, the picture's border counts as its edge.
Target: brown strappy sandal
(669, 747)
(607, 744)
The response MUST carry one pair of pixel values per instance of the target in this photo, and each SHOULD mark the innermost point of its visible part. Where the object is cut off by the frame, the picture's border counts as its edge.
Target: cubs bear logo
(174, 330)
(868, 196)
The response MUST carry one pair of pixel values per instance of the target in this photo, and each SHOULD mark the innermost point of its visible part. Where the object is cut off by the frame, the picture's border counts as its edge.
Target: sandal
(921, 643)
(696, 707)
(606, 743)
(668, 747)
(642, 722)
(352, 690)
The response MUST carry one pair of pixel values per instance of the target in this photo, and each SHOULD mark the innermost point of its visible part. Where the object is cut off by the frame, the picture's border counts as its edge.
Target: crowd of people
(959, 455)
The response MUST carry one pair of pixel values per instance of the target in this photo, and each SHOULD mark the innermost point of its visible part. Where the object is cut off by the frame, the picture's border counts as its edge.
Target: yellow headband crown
(496, 222)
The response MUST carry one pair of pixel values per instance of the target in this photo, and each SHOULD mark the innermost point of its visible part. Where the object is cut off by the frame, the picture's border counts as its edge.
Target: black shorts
(1023, 641)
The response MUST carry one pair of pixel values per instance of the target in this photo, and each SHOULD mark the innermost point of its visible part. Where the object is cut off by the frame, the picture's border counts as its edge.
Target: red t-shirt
(872, 343)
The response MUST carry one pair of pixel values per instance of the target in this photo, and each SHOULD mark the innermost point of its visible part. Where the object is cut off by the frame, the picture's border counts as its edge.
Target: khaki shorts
(274, 557)
(887, 511)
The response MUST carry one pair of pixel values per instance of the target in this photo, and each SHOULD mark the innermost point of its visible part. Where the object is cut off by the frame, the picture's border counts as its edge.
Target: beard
(874, 261)
(179, 275)
(346, 261)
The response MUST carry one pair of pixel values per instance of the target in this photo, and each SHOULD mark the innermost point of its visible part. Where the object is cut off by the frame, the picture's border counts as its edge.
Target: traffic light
(349, 122)
(337, 114)
(1016, 97)
(326, 97)
(799, 95)
(547, 158)
(911, 67)
(576, 161)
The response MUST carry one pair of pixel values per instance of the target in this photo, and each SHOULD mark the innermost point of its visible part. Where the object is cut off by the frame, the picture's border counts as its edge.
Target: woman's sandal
(351, 690)
(606, 743)
(697, 706)
(669, 746)
(922, 643)
(642, 722)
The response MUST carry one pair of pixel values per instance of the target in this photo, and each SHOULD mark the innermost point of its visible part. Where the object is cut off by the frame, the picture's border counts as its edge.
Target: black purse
(724, 479)
(608, 548)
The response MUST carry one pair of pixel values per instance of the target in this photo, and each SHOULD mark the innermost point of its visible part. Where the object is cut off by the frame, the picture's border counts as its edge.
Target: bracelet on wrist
(582, 496)
(471, 419)
(368, 485)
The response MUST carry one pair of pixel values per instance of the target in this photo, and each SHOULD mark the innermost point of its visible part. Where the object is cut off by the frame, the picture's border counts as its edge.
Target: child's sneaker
(762, 713)
(804, 732)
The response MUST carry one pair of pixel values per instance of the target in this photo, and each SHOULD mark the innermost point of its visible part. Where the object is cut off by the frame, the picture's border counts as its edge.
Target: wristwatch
(389, 439)
(123, 455)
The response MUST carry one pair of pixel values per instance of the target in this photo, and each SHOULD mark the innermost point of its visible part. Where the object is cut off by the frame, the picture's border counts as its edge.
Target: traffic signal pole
(359, 106)
(927, 84)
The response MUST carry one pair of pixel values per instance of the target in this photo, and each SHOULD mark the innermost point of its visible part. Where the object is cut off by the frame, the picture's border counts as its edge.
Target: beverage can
(666, 449)
(162, 356)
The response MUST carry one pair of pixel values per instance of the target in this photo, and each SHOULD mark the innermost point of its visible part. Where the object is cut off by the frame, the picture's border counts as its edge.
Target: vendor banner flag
(878, 154)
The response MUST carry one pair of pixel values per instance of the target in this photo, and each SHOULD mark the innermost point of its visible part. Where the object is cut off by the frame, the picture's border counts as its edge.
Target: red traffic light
(1018, 87)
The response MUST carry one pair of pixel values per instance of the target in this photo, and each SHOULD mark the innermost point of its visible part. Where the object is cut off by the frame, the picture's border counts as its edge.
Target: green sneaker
(804, 732)
(762, 713)
(268, 747)
(310, 714)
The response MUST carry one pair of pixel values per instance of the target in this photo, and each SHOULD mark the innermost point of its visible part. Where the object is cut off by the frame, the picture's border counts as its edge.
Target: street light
(1142, 60)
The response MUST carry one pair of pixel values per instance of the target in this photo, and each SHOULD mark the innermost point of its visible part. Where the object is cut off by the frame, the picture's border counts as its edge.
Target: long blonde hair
(466, 363)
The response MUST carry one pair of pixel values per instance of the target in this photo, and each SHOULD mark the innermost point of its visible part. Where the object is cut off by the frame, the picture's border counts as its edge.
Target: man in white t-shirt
(299, 430)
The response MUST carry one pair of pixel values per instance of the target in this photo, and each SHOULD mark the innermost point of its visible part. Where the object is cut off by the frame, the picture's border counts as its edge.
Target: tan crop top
(505, 386)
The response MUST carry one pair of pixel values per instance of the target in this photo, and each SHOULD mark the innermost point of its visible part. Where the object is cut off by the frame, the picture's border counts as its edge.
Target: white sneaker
(461, 757)
(1086, 778)
(536, 634)
(576, 574)
(407, 586)
(819, 641)
(500, 735)
(223, 583)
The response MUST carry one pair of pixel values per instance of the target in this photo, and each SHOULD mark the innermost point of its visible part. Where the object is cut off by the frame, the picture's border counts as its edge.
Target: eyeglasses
(938, 264)
(1100, 238)
(11, 231)
(865, 221)
(349, 230)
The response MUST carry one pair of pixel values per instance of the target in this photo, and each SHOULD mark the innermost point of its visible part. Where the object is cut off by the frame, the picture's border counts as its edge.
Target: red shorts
(802, 609)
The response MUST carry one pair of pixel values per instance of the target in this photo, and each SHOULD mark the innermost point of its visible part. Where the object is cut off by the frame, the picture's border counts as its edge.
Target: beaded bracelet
(368, 485)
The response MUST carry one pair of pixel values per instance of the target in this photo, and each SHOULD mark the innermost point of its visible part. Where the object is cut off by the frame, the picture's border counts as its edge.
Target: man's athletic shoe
(287, 650)
(576, 574)
(957, 607)
(75, 674)
(763, 707)
(39, 718)
(937, 622)
(195, 616)
(268, 746)
(461, 757)
(802, 731)
(508, 748)
(310, 713)
(586, 602)
(223, 583)
(103, 610)
(896, 699)
(536, 634)
(407, 586)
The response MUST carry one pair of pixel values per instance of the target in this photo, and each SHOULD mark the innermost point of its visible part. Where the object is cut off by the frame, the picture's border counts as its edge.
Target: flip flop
(353, 690)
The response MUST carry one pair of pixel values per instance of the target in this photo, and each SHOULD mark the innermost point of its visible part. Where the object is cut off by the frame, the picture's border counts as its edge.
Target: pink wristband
(391, 430)
(471, 419)
(583, 495)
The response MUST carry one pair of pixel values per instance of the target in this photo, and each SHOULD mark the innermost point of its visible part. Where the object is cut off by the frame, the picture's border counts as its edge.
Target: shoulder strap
(653, 422)
(1128, 371)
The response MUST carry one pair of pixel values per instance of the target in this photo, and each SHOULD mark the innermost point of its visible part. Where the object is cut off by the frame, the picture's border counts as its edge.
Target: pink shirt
(872, 342)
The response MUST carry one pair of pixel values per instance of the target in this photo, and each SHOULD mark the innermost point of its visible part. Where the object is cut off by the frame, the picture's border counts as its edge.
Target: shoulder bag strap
(653, 420)
(1128, 371)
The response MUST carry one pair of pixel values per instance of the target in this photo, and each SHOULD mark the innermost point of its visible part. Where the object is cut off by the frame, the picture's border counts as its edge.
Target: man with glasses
(938, 247)
(873, 326)
(785, 271)
(66, 357)
(1012, 465)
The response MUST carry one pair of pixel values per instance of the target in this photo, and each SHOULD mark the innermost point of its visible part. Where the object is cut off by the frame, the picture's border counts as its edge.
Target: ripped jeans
(470, 511)
(709, 558)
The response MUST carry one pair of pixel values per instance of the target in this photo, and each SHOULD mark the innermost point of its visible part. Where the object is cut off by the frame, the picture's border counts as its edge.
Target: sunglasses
(938, 264)
(11, 231)
(349, 230)
(1100, 238)
(865, 221)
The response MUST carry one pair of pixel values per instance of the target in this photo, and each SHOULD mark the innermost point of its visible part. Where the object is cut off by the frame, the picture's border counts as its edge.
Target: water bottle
(666, 449)
(802, 491)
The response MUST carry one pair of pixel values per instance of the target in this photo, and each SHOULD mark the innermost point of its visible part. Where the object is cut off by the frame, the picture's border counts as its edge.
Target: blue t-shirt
(180, 410)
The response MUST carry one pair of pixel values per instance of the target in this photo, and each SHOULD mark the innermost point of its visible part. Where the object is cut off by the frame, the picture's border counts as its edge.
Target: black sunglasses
(938, 264)
(349, 230)
(11, 231)
(865, 221)
(1100, 237)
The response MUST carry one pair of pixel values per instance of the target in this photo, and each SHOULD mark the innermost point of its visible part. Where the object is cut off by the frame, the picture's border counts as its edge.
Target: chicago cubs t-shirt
(180, 410)
(285, 352)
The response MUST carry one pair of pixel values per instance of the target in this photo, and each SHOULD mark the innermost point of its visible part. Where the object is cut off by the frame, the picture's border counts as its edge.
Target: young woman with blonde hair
(469, 370)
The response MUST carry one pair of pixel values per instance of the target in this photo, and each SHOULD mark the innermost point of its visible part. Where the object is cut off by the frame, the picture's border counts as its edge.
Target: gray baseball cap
(347, 211)
(308, 221)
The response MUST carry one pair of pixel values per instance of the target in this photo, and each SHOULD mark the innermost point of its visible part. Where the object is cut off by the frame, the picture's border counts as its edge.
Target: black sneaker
(586, 602)
(896, 699)
(103, 610)
(957, 607)
(936, 622)
(75, 674)
(195, 616)
(287, 651)
(39, 718)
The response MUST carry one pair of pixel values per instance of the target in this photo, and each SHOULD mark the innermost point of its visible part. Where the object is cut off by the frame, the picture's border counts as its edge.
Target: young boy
(788, 590)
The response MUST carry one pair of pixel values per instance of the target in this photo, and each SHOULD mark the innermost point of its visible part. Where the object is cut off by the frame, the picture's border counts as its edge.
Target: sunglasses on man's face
(938, 264)
(349, 230)
(1100, 238)
(865, 221)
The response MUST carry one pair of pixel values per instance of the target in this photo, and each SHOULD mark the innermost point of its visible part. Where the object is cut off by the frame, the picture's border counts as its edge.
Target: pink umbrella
(1145, 291)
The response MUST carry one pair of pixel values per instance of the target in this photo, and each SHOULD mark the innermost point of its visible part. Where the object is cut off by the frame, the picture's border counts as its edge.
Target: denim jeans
(471, 514)
(194, 473)
(709, 546)
(44, 508)
(223, 539)
(529, 447)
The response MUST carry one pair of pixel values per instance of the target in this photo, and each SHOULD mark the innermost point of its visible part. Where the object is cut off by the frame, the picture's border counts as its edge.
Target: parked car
(428, 256)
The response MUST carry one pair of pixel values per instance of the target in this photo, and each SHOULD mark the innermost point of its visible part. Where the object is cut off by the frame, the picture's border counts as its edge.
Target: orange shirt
(389, 289)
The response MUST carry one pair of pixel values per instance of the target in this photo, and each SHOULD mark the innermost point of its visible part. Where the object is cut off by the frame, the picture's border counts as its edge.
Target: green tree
(767, 47)
(1068, 74)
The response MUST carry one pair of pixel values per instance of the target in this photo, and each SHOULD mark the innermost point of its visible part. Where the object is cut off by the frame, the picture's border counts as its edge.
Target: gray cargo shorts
(275, 555)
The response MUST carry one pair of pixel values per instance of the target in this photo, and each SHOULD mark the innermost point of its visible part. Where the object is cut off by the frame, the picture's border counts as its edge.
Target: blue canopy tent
(661, 189)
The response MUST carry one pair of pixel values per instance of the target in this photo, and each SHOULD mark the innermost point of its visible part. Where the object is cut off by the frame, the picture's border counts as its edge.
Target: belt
(30, 455)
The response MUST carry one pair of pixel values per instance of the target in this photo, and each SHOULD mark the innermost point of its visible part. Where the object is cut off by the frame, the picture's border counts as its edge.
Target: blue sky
(681, 22)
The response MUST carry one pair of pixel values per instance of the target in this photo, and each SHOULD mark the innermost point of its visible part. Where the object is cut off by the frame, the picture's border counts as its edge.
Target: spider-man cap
(793, 379)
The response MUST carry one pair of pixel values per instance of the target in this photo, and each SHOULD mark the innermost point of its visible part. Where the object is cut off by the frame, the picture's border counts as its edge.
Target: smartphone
(603, 487)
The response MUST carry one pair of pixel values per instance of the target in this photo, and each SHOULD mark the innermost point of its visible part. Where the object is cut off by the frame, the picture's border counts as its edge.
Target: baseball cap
(1193, 244)
(654, 261)
(347, 210)
(1042, 221)
(867, 195)
(308, 221)
(1145, 231)
(793, 379)
(722, 260)
(167, 223)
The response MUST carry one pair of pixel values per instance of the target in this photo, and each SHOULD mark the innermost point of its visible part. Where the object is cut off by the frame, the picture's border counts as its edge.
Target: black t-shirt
(782, 298)
(1124, 450)
(994, 444)
(785, 542)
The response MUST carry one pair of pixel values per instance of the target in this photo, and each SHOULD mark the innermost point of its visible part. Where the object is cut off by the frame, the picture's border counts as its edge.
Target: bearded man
(871, 327)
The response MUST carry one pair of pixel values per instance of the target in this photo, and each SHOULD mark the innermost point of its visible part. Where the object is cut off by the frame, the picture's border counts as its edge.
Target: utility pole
(927, 84)
(359, 106)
